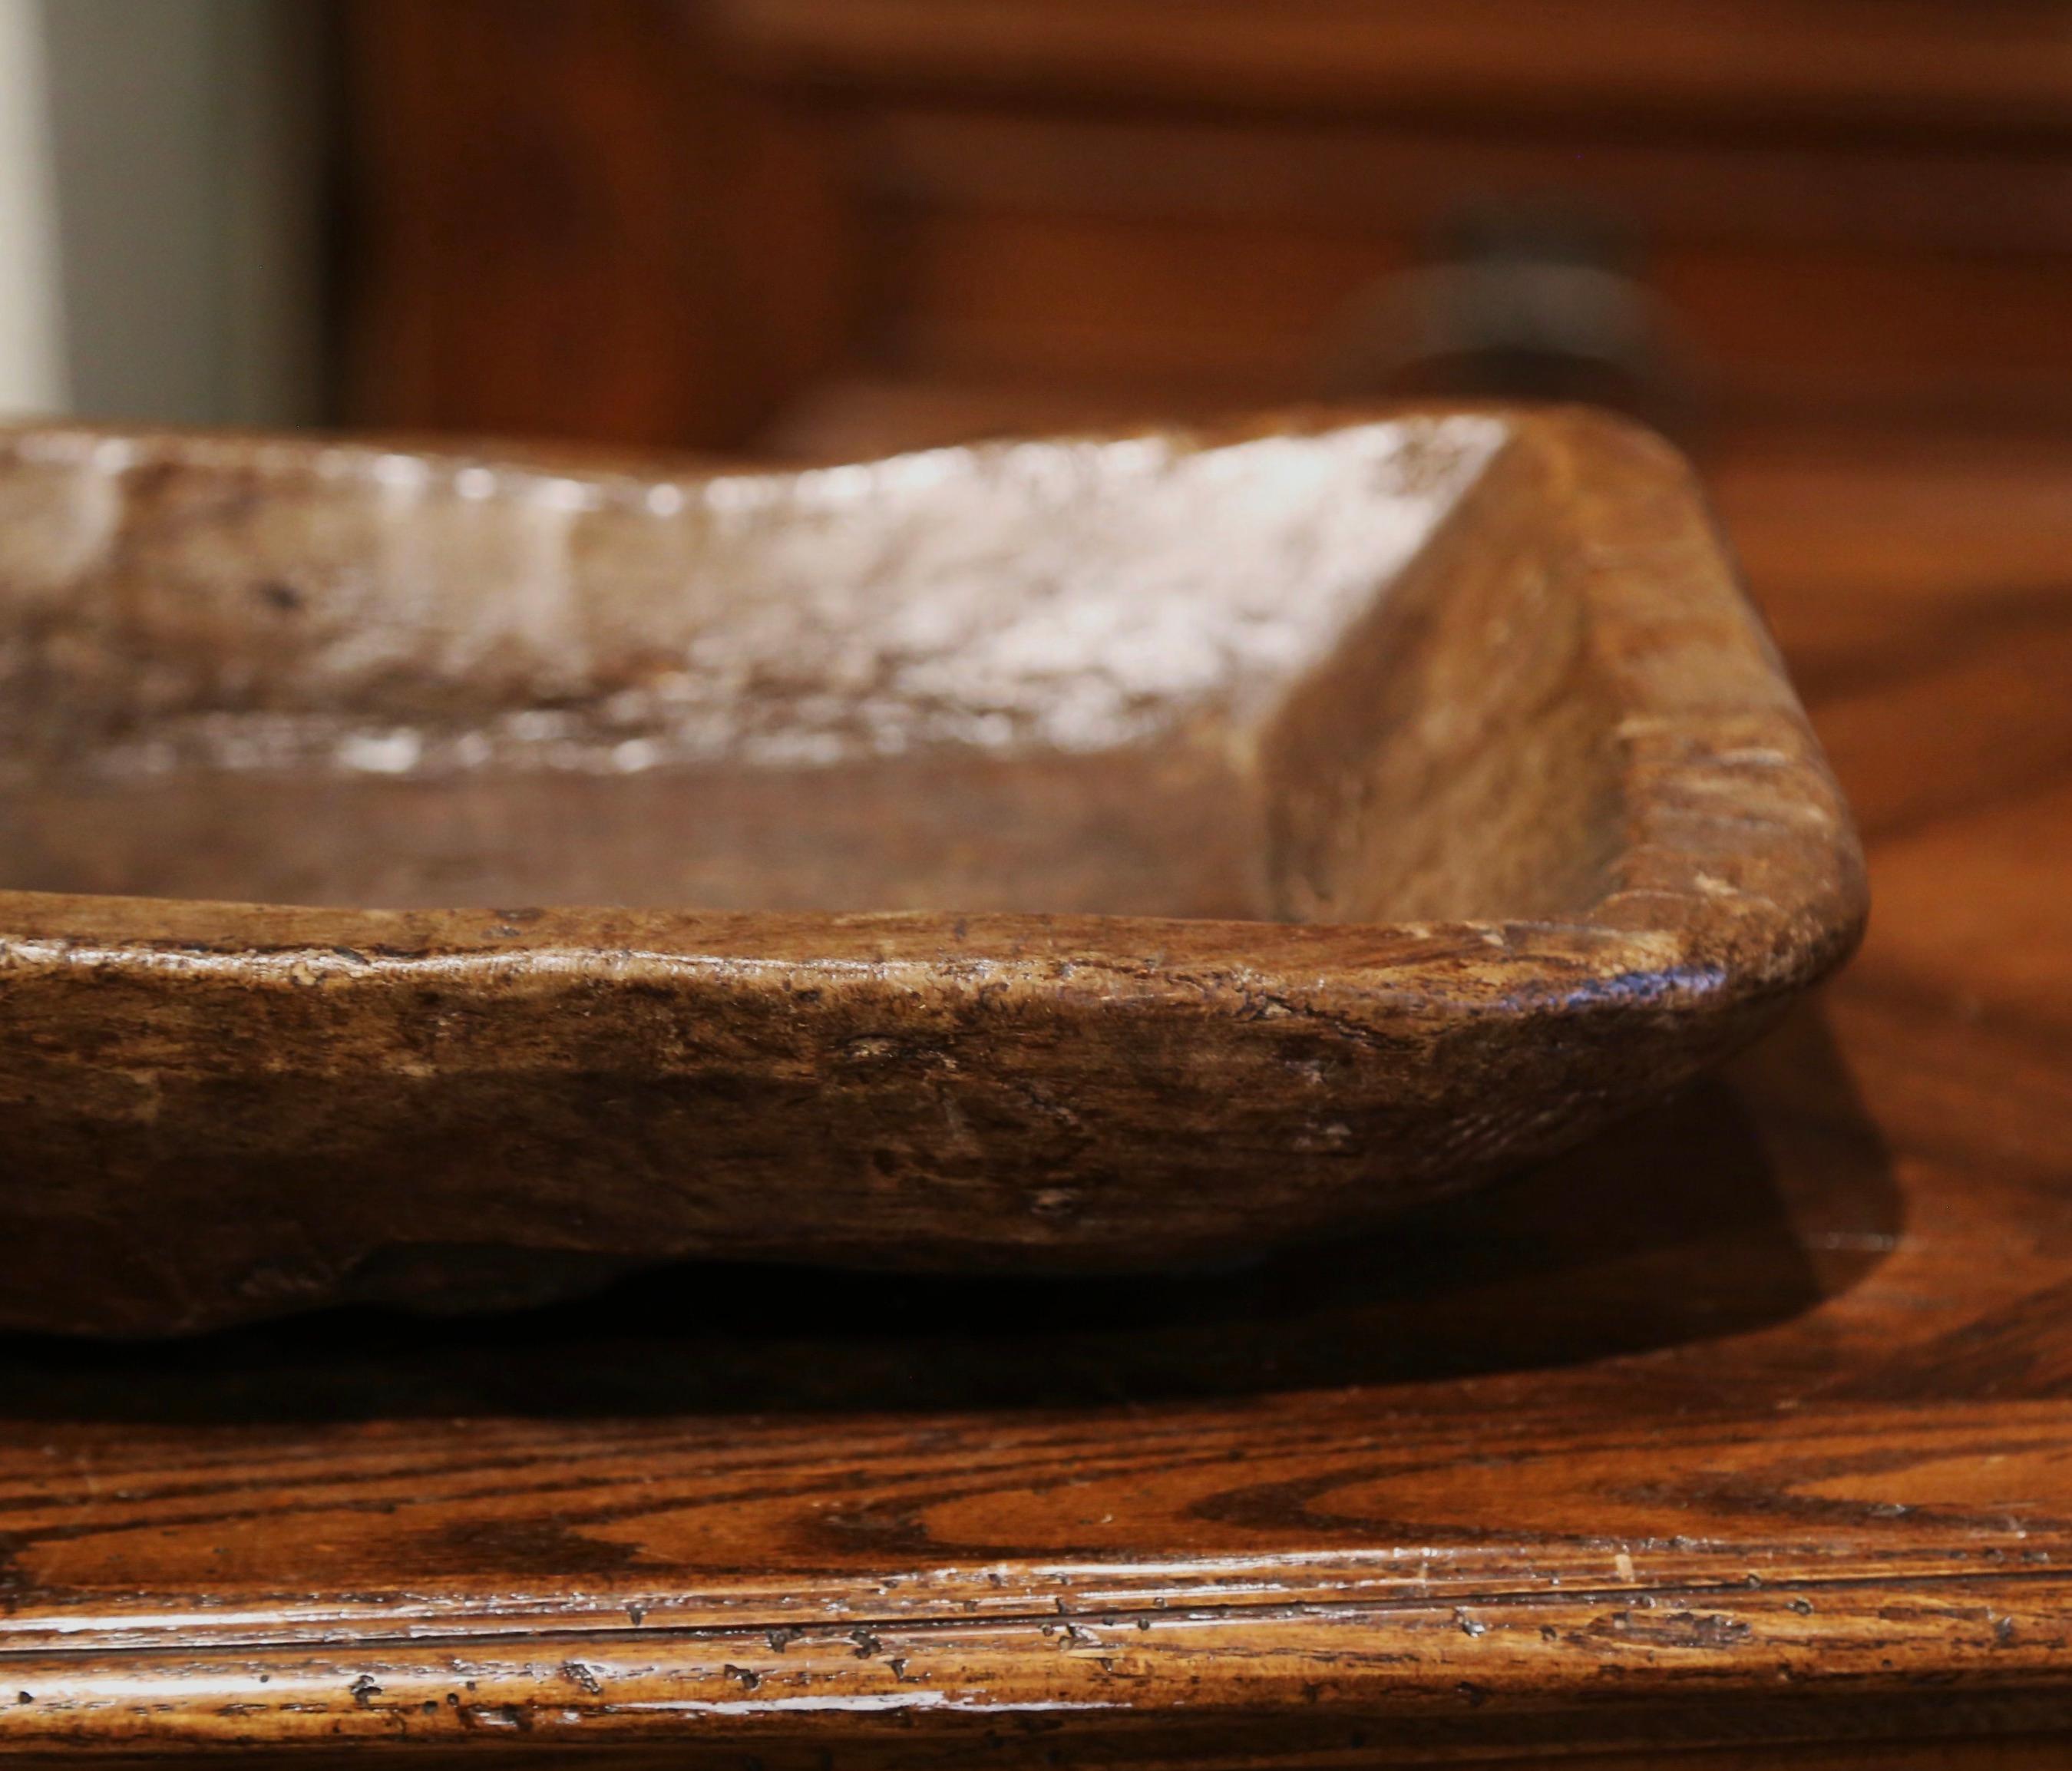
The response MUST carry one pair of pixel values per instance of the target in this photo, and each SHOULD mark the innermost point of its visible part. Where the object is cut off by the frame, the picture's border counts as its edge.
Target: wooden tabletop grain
(1745, 1428)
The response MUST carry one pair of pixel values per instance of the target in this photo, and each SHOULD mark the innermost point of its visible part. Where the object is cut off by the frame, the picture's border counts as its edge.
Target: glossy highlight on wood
(1451, 798)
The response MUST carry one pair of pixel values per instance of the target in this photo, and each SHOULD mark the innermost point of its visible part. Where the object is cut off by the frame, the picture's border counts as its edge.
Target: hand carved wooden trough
(1076, 855)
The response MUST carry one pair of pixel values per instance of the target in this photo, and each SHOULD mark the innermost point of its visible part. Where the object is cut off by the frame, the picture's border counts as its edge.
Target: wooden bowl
(1106, 854)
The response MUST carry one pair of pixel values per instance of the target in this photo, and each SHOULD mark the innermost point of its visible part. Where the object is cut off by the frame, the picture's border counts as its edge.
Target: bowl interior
(1313, 676)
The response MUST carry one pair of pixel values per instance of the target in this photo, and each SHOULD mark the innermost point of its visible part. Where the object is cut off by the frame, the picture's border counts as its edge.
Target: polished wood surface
(1744, 1427)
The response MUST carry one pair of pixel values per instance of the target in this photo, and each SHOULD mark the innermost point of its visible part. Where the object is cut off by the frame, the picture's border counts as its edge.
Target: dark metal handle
(1515, 314)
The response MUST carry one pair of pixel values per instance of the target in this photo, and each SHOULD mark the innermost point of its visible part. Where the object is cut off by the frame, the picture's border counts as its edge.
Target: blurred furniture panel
(753, 222)
(1996, 64)
(567, 221)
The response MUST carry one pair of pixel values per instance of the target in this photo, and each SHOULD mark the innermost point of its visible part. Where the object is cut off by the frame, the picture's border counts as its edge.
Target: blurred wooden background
(824, 226)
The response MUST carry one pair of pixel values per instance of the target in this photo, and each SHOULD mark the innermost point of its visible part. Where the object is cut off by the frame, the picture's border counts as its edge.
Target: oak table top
(1742, 1431)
